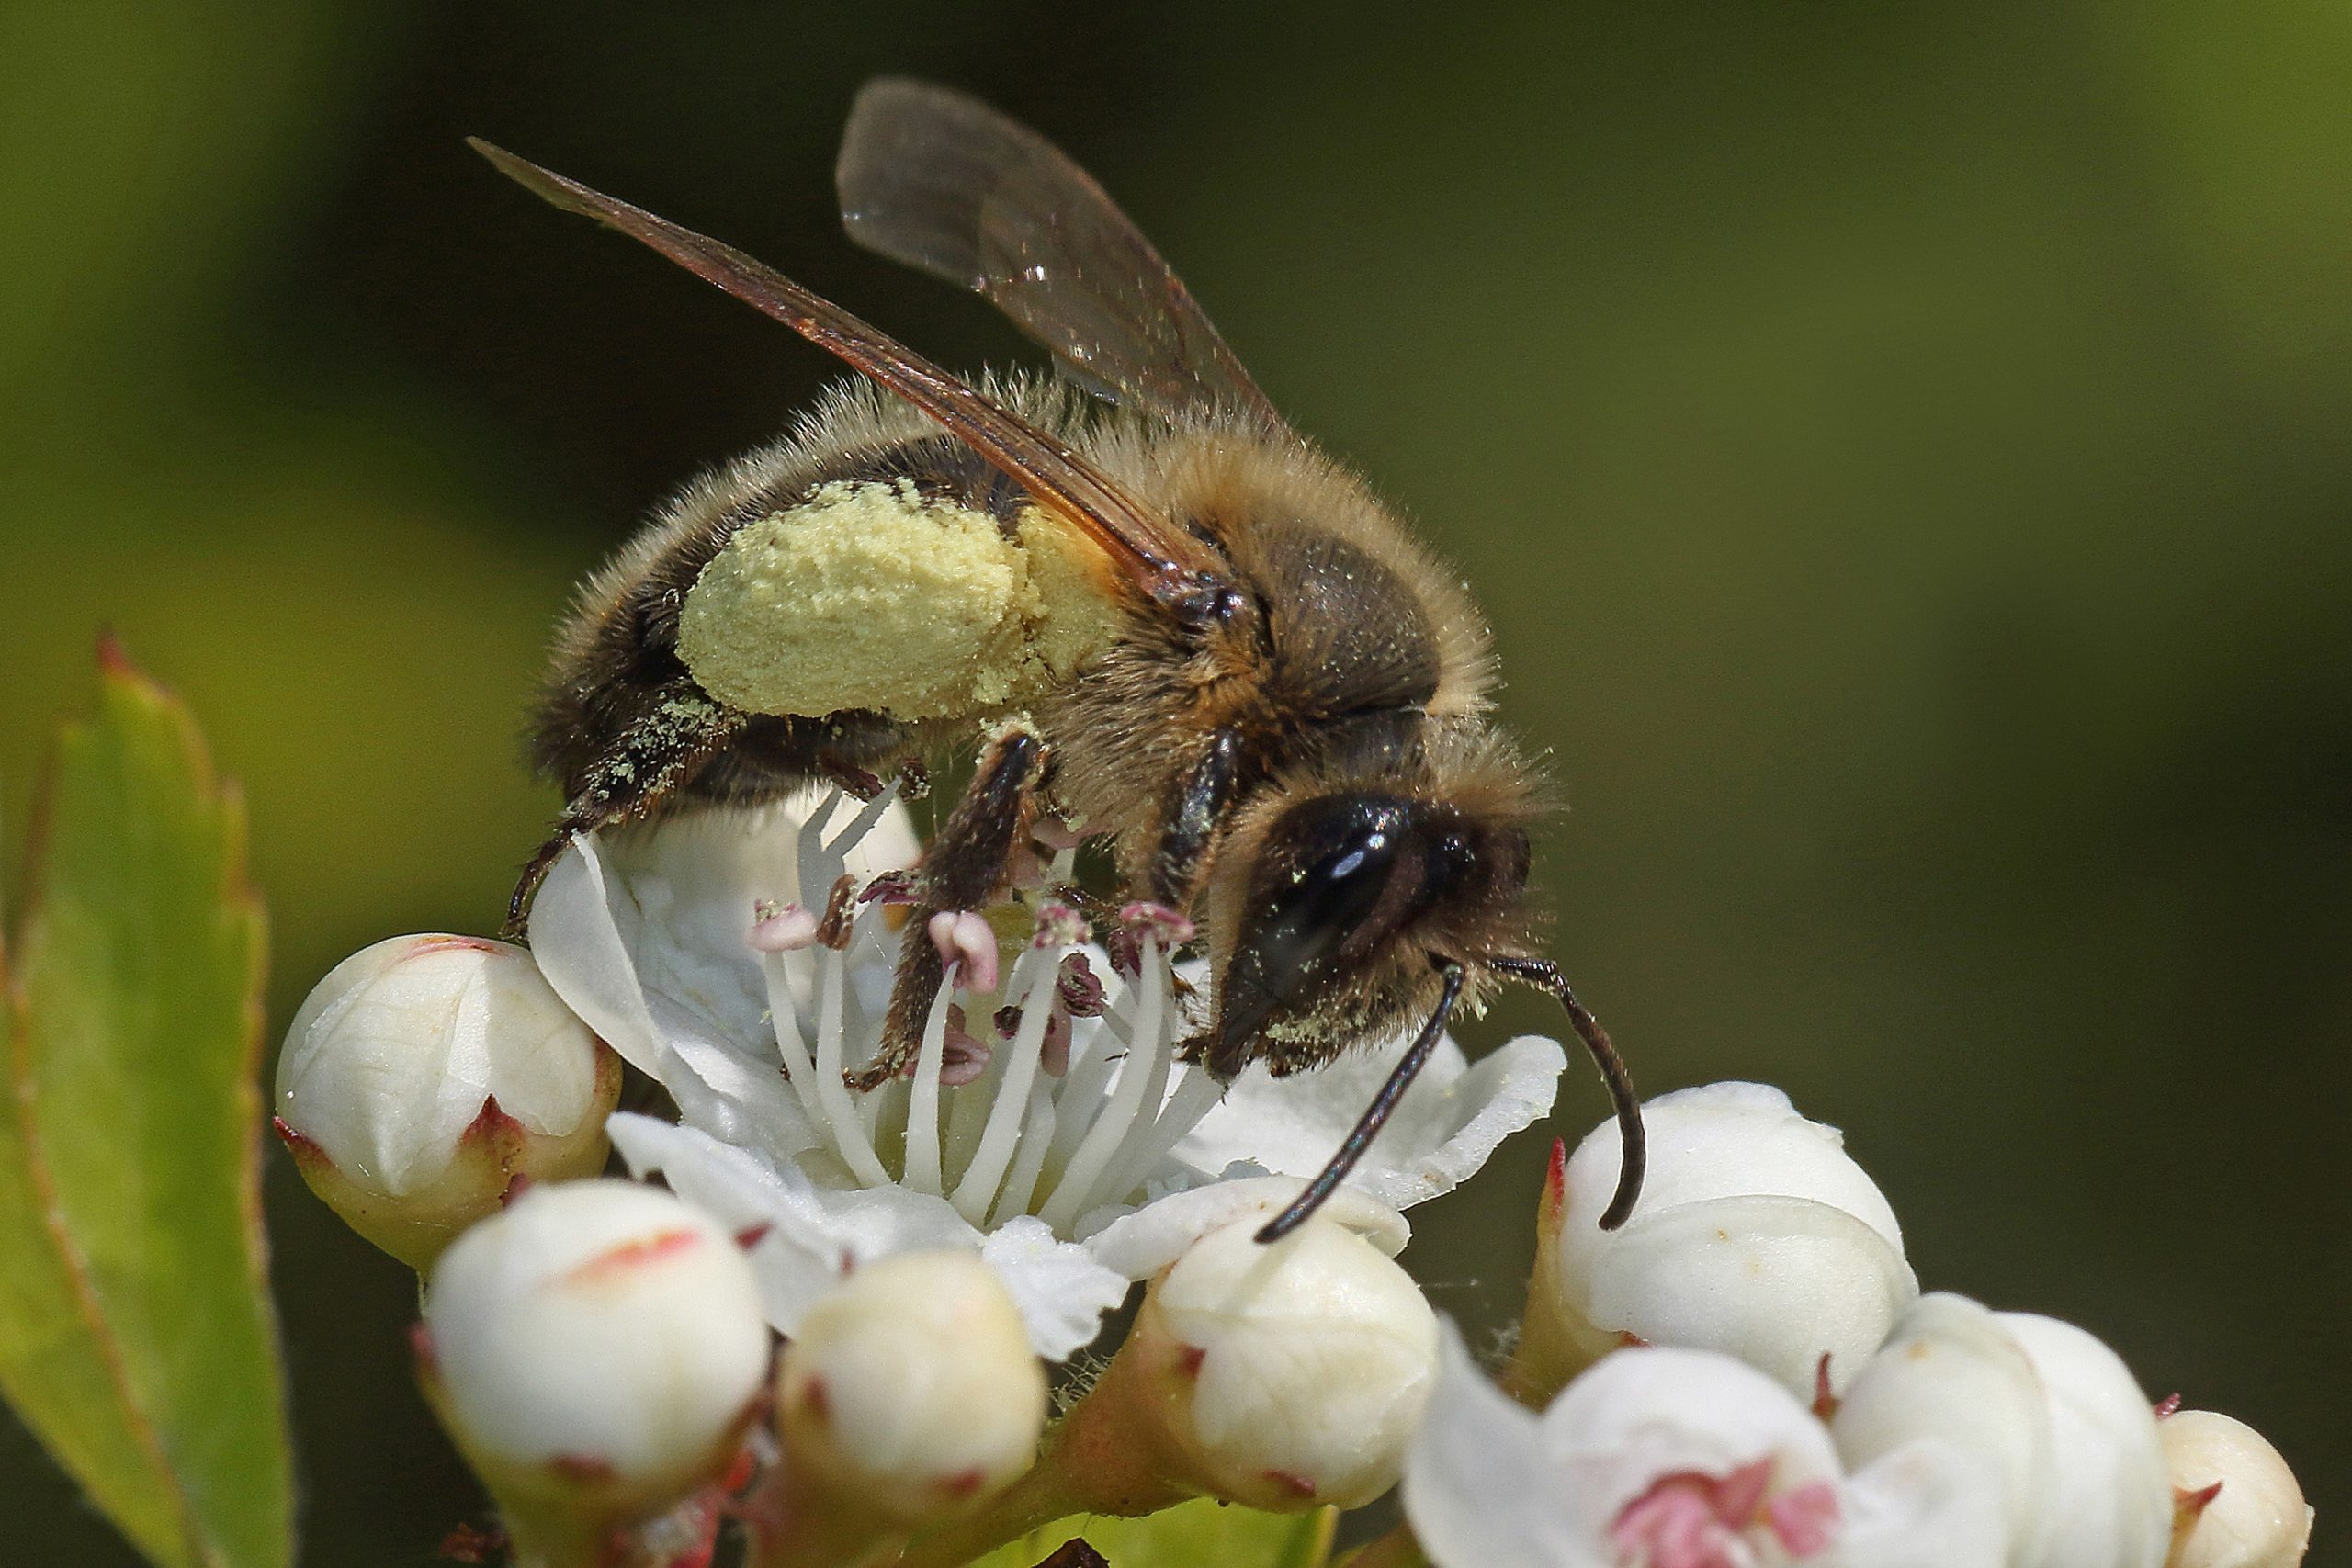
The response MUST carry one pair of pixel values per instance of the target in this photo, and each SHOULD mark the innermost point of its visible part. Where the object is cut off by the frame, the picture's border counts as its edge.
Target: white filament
(1012, 1141)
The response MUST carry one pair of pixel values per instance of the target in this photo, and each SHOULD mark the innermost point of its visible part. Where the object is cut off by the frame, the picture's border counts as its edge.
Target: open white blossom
(1045, 1117)
(1665, 1458)
(2048, 1415)
(1757, 1236)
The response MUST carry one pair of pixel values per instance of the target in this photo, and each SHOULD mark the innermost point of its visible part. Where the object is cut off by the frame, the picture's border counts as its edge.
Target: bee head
(1335, 909)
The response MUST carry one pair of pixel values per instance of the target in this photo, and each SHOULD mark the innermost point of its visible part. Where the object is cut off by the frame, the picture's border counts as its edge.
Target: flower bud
(910, 1387)
(2109, 1500)
(2048, 1413)
(1286, 1376)
(596, 1350)
(424, 1075)
(1757, 1234)
(2257, 1518)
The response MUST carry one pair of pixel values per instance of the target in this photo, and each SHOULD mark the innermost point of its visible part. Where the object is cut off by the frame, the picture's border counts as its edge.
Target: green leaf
(136, 1334)
(1187, 1536)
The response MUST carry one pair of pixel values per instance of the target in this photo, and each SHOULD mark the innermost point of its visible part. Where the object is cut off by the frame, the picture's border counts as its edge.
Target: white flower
(2046, 1413)
(911, 1386)
(1664, 1457)
(2235, 1503)
(424, 1075)
(1452, 1117)
(1039, 1118)
(595, 1340)
(1757, 1236)
(1289, 1375)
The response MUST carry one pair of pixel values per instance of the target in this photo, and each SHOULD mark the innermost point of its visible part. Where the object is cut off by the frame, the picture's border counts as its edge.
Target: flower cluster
(830, 1306)
(924, 1248)
(1747, 1373)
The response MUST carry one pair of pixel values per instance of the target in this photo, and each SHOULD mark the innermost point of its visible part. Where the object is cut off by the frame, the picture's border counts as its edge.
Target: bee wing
(1168, 566)
(946, 184)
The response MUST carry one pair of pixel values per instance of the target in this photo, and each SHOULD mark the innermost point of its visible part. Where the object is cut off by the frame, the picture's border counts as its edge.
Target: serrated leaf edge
(118, 674)
(76, 1269)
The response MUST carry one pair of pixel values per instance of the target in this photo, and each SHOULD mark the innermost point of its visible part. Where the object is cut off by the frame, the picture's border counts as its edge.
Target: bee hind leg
(966, 866)
(656, 755)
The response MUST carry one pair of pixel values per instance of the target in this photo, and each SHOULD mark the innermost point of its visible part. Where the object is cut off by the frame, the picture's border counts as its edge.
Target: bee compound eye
(1310, 915)
(1330, 885)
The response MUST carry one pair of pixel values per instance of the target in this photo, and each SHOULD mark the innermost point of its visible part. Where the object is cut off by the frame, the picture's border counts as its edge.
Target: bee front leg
(673, 738)
(1193, 812)
(966, 869)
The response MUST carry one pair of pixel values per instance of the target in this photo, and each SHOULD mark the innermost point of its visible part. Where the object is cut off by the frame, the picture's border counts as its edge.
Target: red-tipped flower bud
(596, 1350)
(424, 1075)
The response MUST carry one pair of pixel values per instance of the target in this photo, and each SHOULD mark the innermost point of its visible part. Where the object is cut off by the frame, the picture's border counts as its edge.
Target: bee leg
(1193, 812)
(657, 754)
(966, 866)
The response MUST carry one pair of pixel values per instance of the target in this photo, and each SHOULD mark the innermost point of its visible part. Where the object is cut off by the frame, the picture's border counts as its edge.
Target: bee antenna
(1544, 976)
(1368, 1125)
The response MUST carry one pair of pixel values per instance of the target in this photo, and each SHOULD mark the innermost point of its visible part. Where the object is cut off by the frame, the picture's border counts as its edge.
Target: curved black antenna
(1400, 1079)
(1633, 1157)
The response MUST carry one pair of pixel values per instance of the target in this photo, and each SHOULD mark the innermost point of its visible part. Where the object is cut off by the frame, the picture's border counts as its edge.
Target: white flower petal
(1478, 1488)
(1953, 1374)
(2110, 1493)
(1440, 1133)
(1756, 1235)
(591, 930)
(1139, 1244)
(1672, 1272)
(815, 1237)
(642, 931)
(1727, 1140)
(1061, 1289)
(1928, 1505)
(1636, 1415)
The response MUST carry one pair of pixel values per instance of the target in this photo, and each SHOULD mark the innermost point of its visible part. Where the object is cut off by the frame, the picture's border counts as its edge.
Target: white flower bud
(1757, 1234)
(1952, 1371)
(910, 1387)
(2110, 1502)
(1291, 1375)
(424, 1075)
(2257, 1518)
(2050, 1415)
(595, 1350)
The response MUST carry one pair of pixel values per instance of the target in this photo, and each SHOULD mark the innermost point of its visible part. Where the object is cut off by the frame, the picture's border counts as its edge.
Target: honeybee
(1179, 627)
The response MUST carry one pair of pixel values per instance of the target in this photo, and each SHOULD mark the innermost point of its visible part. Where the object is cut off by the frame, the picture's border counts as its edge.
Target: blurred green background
(1907, 453)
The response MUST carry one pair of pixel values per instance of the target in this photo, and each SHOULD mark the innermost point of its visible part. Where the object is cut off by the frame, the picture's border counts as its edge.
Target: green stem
(1398, 1549)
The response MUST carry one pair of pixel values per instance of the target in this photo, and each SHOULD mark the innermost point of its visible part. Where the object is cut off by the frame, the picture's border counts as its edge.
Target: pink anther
(1059, 924)
(1170, 925)
(1691, 1519)
(966, 944)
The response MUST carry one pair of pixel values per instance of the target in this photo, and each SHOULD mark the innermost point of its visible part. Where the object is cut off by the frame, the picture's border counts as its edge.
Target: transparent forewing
(946, 184)
(1162, 562)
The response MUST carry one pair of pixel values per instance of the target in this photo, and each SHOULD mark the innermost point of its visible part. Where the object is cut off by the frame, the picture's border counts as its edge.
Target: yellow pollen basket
(870, 596)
